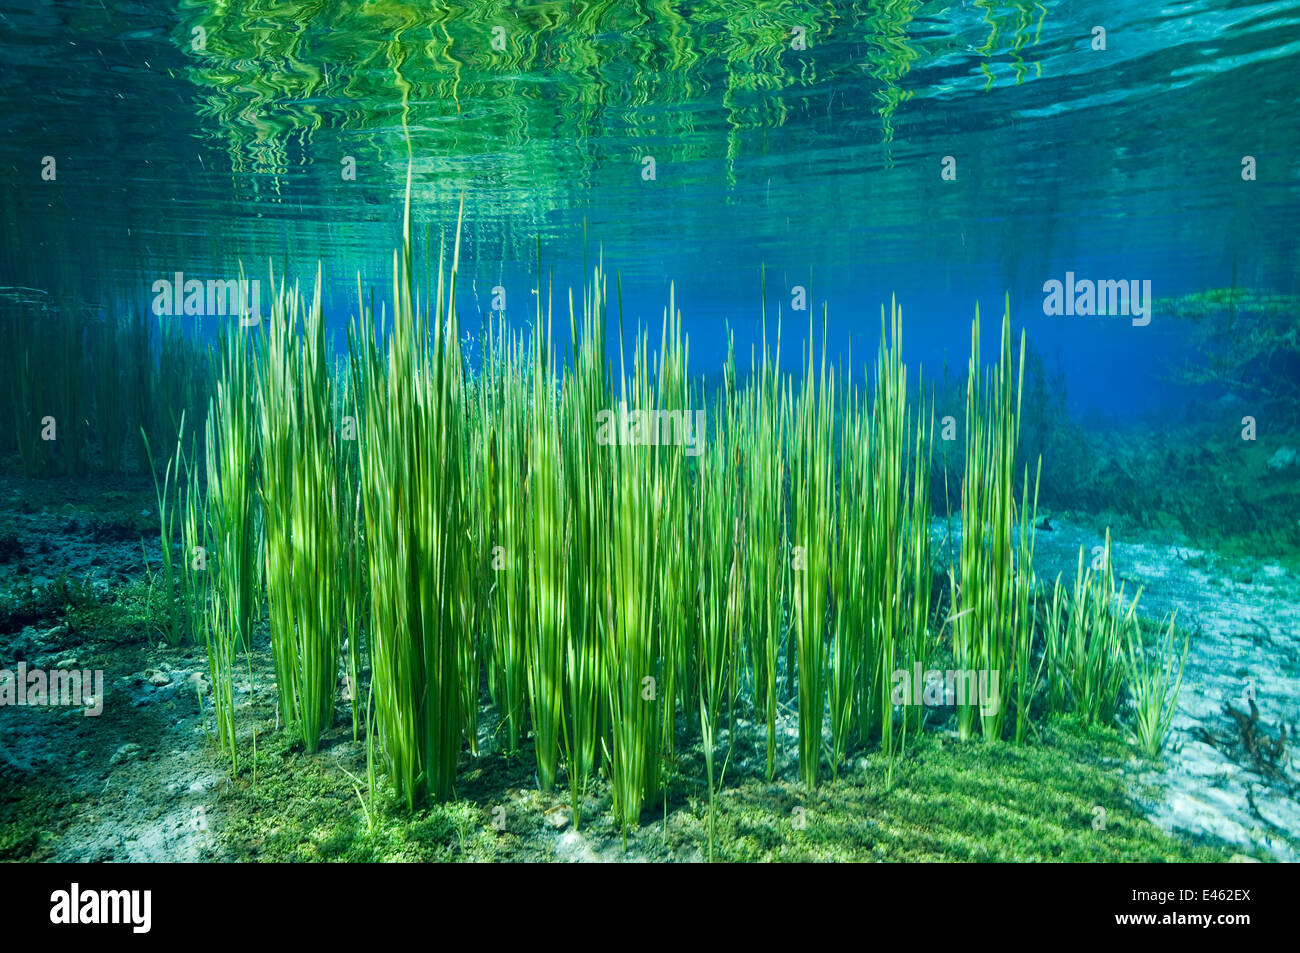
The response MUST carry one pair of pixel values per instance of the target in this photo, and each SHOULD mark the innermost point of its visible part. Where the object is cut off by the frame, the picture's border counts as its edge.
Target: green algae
(1065, 798)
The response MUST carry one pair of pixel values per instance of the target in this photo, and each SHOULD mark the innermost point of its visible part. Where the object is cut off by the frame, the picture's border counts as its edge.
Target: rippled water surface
(697, 142)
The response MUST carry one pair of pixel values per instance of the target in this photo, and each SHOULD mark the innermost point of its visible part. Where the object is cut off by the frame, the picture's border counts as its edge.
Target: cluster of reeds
(1154, 679)
(622, 578)
(301, 511)
(995, 600)
(1086, 631)
(1094, 653)
(883, 589)
(412, 422)
(230, 525)
(608, 581)
(167, 492)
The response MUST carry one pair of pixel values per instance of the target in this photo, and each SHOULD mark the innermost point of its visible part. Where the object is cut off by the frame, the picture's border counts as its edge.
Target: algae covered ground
(144, 779)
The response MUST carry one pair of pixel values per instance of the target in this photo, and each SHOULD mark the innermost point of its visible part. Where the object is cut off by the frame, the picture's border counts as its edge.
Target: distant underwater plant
(1245, 340)
(77, 383)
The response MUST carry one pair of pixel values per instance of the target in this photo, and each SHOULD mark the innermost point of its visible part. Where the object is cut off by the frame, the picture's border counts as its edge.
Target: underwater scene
(649, 430)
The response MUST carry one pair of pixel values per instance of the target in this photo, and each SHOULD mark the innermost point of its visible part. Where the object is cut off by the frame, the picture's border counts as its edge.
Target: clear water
(822, 164)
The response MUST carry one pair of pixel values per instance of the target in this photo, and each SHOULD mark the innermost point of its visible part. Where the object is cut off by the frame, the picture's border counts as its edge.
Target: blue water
(821, 164)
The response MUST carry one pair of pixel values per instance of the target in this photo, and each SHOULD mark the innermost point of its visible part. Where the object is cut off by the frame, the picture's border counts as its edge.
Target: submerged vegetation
(946, 802)
(88, 393)
(749, 563)
(729, 566)
(622, 597)
(1246, 342)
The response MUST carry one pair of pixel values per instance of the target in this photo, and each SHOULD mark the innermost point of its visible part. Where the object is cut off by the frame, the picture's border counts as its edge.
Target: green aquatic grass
(1087, 629)
(167, 495)
(81, 384)
(418, 552)
(813, 528)
(633, 657)
(354, 589)
(953, 802)
(299, 491)
(52, 366)
(547, 542)
(623, 598)
(673, 396)
(845, 679)
(505, 389)
(1024, 611)
(231, 466)
(195, 545)
(1154, 679)
(896, 537)
(883, 573)
(717, 560)
(587, 490)
(111, 419)
(948, 802)
(883, 535)
(764, 419)
(993, 622)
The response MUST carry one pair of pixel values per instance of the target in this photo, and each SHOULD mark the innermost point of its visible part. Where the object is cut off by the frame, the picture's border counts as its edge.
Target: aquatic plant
(632, 654)
(503, 416)
(110, 416)
(608, 577)
(167, 494)
(764, 415)
(474, 592)
(896, 532)
(79, 380)
(673, 400)
(813, 526)
(1087, 630)
(993, 619)
(299, 490)
(47, 353)
(1025, 609)
(353, 588)
(717, 558)
(588, 476)
(547, 540)
(231, 465)
(1246, 340)
(1154, 679)
(194, 547)
(411, 428)
(846, 682)
(232, 462)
